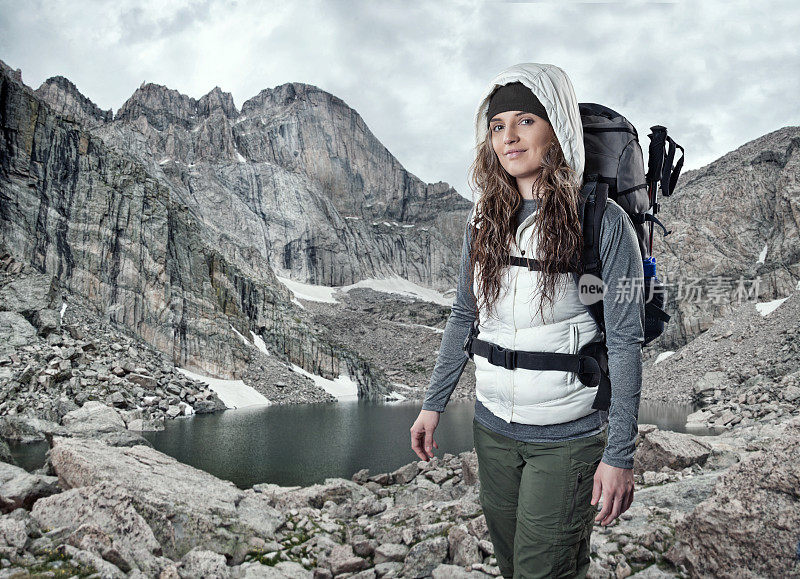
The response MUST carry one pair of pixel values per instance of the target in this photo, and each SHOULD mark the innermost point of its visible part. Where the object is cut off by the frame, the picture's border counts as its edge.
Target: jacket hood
(552, 87)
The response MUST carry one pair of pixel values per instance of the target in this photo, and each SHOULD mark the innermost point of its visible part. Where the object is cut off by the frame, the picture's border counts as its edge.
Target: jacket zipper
(514, 339)
(574, 497)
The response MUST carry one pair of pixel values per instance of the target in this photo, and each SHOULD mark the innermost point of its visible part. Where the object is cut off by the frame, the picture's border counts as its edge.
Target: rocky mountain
(66, 100)
(158, 219)
(735, 234)
(297, 177)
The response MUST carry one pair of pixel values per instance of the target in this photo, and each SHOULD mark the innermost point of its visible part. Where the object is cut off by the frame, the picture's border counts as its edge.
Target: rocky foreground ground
(107, 504)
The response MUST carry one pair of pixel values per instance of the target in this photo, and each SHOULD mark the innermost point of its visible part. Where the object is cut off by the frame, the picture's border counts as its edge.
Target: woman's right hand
(422, 441)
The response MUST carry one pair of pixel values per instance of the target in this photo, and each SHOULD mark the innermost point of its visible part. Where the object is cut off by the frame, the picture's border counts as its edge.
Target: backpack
(614, 168)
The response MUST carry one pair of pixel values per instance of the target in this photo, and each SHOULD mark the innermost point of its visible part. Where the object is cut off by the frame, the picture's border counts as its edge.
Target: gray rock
(104, 569)
(709, 382)
(390, 552)
(93, 539)
(5, 453)
(342, 559)
(13, 536)
(791, 393)
(405, 474)
(148, 425)
(15, 330)
(424, 557)
(388, 569)
(29, 293)
(463, 546)
(183, 506)
(20, 489)
(293, 570)
(336, 490)
(469, 468)
(94, 416)
(47, 321)
(203, 563)
(109, 509)
(477, 528)
(142, 380)
(660, 448)
(751, 519)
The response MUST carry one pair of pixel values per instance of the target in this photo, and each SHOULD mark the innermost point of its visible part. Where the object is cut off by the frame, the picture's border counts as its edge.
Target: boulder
(342, 559)
(463, 546)
(390, 552)
(20, 489)
(660, 448)
(709, 382)
(203, 563)
(183, 506)
(424, 557)
(15, 330)
(405, 474)
(337, 490)
(28, 294)
(456, 572)
(751, 521)
(93, 416)
(13, 536)
(469, 467)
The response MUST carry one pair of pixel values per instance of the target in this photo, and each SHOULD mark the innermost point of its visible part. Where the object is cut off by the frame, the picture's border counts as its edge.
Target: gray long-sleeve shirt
(624, 321)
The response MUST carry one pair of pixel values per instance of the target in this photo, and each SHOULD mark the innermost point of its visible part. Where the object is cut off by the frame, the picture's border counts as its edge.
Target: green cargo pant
(537, 501)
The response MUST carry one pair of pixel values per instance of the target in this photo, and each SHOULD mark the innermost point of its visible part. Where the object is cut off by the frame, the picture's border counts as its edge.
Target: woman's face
(520, 140)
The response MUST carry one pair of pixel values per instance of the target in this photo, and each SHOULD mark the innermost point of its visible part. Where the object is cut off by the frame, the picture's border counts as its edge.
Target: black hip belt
(590, 363)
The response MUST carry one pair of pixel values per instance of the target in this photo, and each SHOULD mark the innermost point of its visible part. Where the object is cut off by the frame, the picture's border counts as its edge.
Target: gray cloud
(140, 25)
(717, 73)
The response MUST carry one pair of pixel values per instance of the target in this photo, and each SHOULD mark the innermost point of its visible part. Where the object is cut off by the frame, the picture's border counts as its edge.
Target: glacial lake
(304, 444)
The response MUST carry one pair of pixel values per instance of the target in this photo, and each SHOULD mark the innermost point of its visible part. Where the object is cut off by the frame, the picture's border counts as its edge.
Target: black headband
(514, 96)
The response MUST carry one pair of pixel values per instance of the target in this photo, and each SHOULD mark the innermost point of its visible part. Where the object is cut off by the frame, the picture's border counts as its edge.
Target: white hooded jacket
(534, 396)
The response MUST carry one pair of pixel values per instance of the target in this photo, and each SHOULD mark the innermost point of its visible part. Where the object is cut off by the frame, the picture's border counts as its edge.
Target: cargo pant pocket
(573, 546)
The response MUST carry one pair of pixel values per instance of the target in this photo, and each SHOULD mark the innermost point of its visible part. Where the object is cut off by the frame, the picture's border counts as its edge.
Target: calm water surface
(304, 444)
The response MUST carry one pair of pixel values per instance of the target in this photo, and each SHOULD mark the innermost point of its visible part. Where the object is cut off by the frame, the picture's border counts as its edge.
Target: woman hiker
(546, 458)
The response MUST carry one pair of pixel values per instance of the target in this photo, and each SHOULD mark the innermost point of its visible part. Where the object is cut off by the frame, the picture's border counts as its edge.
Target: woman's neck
(529, 187)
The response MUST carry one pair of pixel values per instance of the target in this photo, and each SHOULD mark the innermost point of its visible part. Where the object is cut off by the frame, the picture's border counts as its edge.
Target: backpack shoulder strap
(594, 196)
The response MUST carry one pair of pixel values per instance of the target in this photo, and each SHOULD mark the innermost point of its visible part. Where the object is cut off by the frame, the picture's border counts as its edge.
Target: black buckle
(468, 345)
(499, 356)
(473, 333)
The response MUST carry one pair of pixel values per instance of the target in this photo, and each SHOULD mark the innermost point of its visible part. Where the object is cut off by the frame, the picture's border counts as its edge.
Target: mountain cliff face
(157, 219)
(735, 225)
(299, 178)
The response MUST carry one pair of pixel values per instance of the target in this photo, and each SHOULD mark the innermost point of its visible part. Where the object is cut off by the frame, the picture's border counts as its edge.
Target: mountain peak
(163, 105)
(217, 99)
(65, 99)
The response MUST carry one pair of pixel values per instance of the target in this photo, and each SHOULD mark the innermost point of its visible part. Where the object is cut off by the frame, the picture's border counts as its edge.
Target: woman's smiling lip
(513, 153)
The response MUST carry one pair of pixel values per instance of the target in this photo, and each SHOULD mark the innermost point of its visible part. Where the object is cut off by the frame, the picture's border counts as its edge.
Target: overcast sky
(716, 73)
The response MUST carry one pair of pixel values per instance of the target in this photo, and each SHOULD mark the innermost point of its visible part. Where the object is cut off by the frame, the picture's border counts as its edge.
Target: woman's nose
(509, 136)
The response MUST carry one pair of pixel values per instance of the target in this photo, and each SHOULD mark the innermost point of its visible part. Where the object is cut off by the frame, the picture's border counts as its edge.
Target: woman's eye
(494, 128)
(527, 119)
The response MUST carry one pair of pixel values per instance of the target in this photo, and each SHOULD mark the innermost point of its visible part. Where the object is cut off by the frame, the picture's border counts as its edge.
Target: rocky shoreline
(56, 353)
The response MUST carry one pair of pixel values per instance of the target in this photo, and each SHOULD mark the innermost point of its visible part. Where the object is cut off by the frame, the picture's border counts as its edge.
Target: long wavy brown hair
(558, 231)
